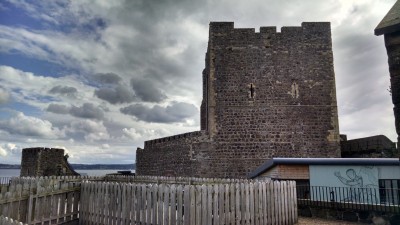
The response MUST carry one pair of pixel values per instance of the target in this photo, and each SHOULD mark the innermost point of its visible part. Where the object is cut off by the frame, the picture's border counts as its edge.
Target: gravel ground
(319, 221)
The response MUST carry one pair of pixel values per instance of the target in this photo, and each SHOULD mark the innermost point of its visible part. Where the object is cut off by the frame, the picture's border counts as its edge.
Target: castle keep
(265, 94)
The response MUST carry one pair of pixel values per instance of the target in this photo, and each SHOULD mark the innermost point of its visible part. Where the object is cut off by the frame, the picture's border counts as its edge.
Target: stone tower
(45, 162)
(265, 94)
(390, 28)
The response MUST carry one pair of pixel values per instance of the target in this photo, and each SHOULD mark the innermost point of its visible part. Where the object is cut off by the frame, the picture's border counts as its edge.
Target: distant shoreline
(84, 166)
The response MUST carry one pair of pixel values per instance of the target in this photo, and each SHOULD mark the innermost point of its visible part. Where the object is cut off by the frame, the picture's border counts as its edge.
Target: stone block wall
(45, 162)
(369, 147)
(172, 156)
(265, 94)
(29, 162)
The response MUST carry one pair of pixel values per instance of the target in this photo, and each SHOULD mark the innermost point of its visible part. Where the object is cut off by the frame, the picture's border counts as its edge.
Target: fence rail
(40, 201)
(170, 180)
(125, 178)
(256, 203)
(366, 199)
(59, 179)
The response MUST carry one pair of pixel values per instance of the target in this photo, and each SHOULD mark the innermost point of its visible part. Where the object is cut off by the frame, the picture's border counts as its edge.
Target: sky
(98, 78)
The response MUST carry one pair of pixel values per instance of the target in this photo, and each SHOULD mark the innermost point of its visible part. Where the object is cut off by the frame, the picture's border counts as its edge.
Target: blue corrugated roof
(323, 161)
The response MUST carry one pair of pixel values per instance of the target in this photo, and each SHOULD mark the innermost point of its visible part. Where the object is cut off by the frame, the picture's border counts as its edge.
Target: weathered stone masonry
(45, 162)
(390, 28)
(265, 94)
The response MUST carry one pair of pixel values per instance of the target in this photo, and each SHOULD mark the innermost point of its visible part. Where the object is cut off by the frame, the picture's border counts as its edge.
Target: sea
(16, 172)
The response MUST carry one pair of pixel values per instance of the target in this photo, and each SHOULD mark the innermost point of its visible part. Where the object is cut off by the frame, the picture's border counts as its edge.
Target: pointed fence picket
(255, 203)
(169, 180)
(9, 221)
(148, 200)
(40, 201)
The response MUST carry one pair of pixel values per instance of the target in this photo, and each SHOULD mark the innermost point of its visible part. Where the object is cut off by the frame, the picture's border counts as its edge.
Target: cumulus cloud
(10, 153)
(147, 91)
(36, 91)
(119, 94)
(155, 53)
(131, 133)
(87, 110)
(107, 78)
(10, 148)
(4, 96)
(59, 109)
(105, 146)
(143, 134)
(3, 152)
(89, 130)
(21, 124)
(176, 112)
(64, 90)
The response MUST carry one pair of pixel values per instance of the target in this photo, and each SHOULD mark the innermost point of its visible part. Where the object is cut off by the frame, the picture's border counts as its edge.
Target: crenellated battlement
(40, 149)
(224, 34)
(306, 27)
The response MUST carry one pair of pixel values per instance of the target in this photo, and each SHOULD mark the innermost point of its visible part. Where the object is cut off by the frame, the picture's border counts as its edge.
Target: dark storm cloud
(176, 112)
(87, 110)
(58, 109)
(155, 44)
(118, 94)
(107, 78)
(146, 90)
(64, 90)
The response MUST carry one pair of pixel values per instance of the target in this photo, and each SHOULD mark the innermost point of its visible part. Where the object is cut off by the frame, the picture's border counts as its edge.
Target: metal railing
(368, 199)
(5, 180)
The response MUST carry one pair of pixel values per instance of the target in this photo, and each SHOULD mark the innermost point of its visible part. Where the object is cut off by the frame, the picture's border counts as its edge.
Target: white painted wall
(389, 172)
(358, 183)
(346, 176)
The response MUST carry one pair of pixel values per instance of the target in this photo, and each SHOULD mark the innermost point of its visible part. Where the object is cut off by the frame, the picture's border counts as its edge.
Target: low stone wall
(369, 147)
(172, 156)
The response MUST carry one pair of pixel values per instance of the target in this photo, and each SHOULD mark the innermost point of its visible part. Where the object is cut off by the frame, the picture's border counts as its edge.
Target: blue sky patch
(36, 66)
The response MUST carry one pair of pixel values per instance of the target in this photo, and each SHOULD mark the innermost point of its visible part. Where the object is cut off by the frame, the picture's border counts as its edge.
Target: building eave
(323, 161)
(391, 22)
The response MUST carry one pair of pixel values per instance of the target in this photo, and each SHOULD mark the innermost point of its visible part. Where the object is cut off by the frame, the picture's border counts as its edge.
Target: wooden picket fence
(169, 180)
(38, 201)
(148, 200)
(5, 180)
(53, 179)
(255, 203)
(9, 221)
